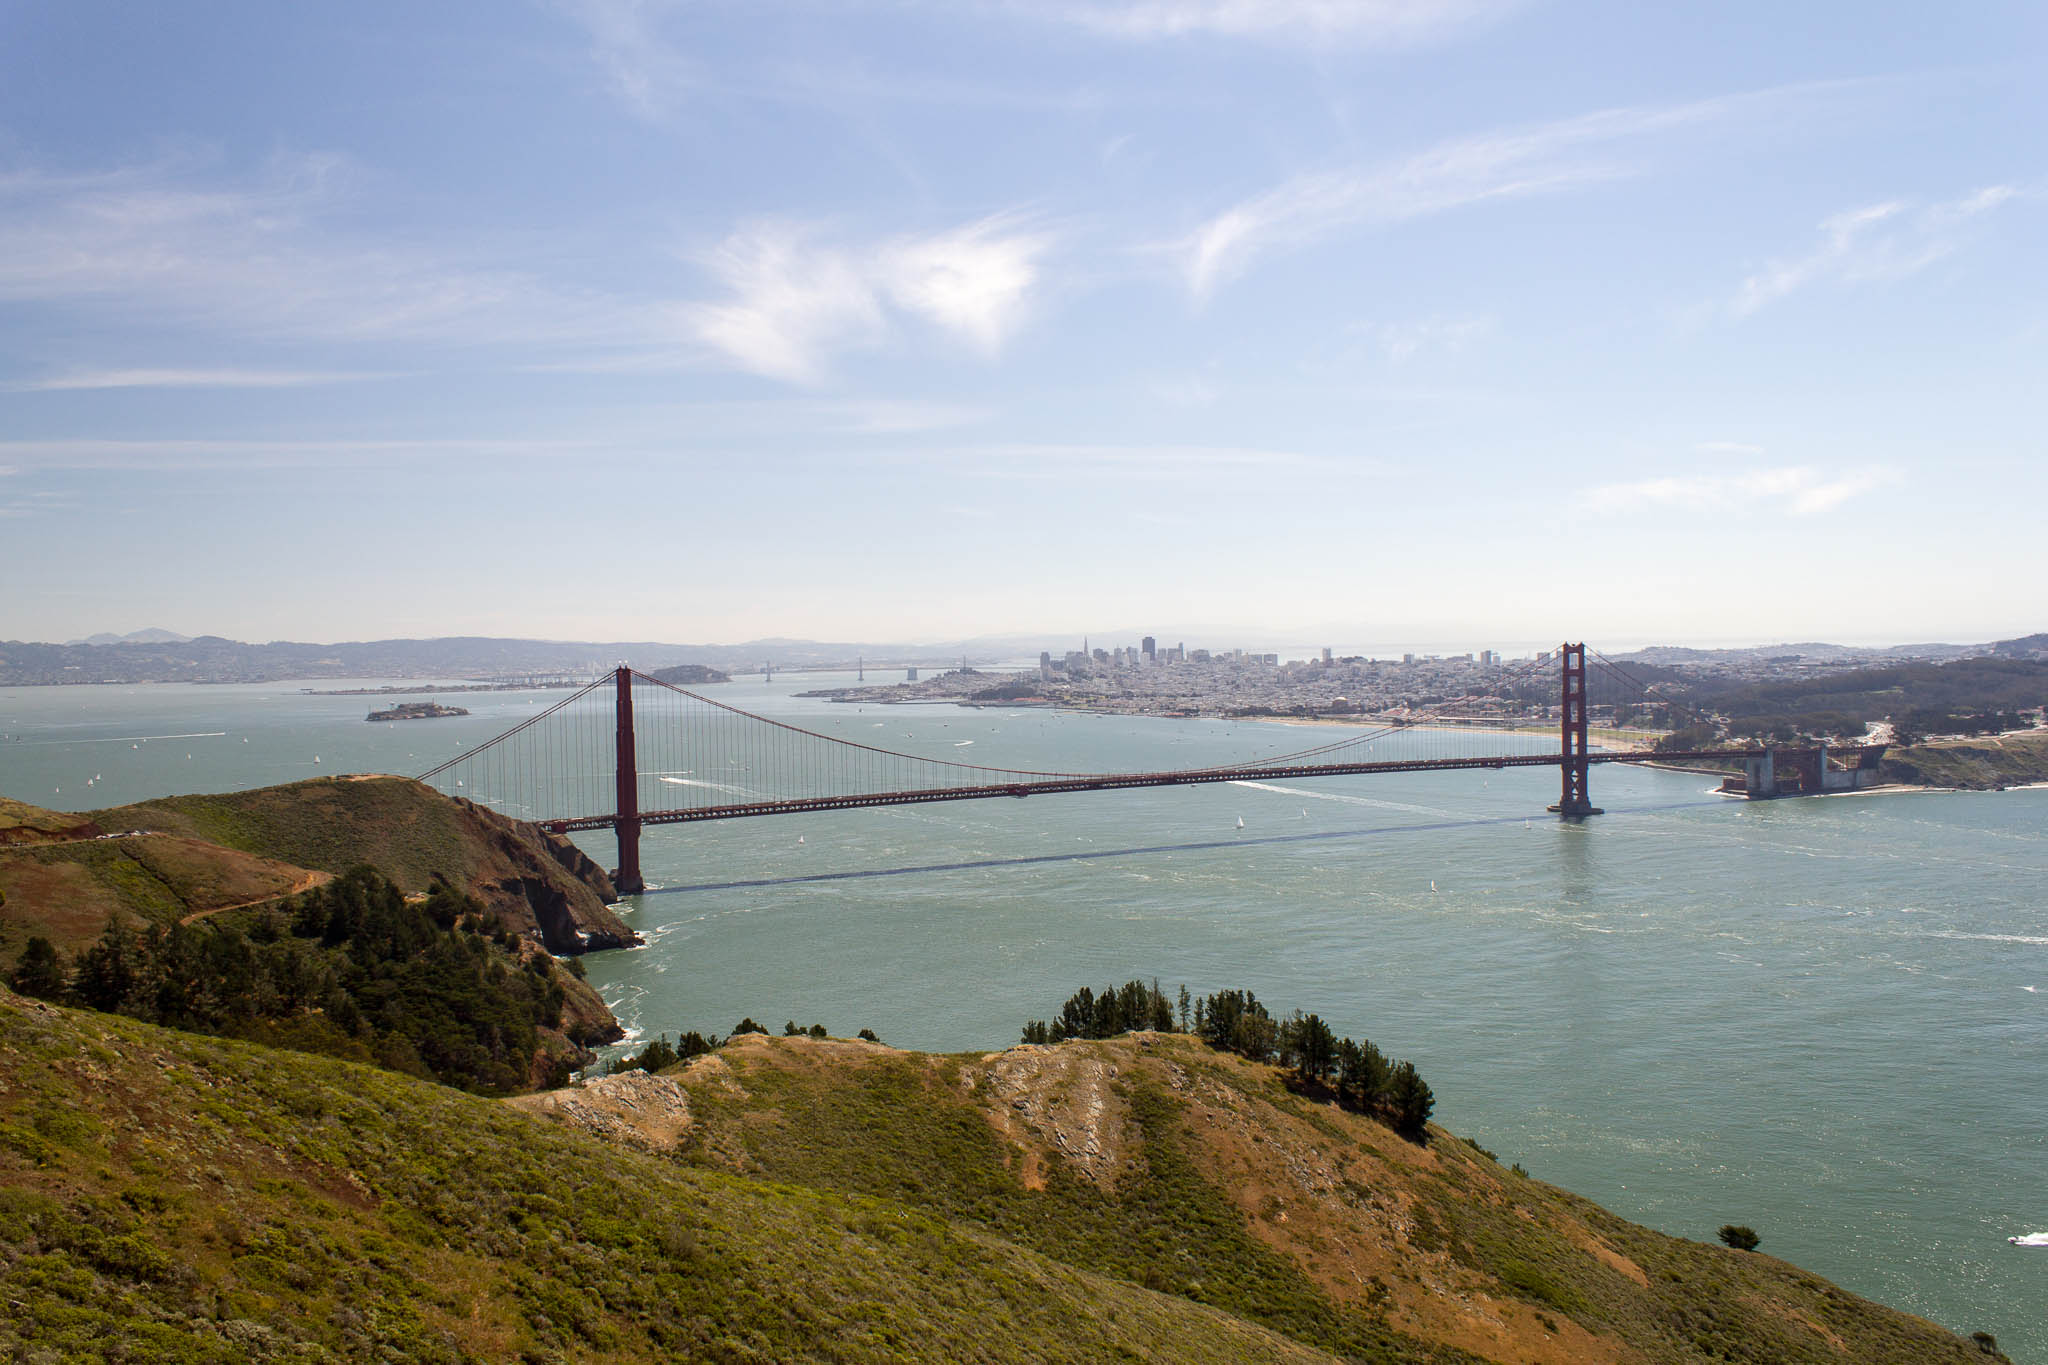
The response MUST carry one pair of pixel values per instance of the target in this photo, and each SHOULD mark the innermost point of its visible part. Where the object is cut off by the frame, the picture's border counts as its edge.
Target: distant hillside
(1971, 764)
(1922, 698)
(689, 675)
(154, 635)
(21, 823)
(213, 659)
(175, 1198)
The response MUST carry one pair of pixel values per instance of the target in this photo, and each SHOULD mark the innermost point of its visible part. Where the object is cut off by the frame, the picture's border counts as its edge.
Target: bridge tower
(1576, 801)
(627, 826)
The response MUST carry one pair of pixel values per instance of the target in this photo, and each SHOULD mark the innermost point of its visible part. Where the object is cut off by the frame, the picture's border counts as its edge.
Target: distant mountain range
(163, 656)
(158, 655)
(152, 636)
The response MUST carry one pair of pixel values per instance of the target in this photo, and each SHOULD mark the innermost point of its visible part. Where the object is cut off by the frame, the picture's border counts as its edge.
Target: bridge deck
(1127, 781)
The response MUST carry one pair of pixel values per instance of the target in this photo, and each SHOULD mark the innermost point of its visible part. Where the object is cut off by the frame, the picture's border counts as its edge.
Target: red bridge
(629, 751)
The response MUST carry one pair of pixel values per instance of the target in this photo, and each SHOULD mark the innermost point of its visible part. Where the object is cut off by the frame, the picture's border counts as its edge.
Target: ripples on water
(1820, 1018)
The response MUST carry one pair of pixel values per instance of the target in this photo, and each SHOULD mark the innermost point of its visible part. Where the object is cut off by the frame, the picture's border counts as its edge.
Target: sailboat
(1240, 822)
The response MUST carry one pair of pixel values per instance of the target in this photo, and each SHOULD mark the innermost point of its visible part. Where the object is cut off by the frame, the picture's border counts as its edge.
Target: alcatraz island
(417, 710)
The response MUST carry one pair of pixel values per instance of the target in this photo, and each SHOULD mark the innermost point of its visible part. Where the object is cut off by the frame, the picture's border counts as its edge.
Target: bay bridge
(630, 751)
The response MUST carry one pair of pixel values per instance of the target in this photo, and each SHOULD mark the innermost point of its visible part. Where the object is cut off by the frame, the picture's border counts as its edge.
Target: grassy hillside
(1153, 1159)
(1976, 764)
(173, 1199)
(67, 892)
(413, 835)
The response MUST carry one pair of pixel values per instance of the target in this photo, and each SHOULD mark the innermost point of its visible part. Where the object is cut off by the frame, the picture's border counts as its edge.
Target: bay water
(1825, 1018)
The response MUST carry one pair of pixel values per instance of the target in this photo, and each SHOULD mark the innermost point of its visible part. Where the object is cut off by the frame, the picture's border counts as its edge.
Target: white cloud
(1503, 164)
(791, 303)
(794, 301)
(1884, 241)
(971, 281)
(1796, 490)
(1375, 22)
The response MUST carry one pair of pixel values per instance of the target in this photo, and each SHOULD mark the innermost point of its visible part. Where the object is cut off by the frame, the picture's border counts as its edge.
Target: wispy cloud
(1401, 341)
(1796, 490)
(1375, 22)
(261, 257)
(1884, 241)
(190, 379)
(200, 453)
(793, 301)
(1081, 463)
(1503, 164)
(639, 64)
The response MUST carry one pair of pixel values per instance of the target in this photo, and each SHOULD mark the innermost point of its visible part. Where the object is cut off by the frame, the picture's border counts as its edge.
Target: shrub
(1740, 1237)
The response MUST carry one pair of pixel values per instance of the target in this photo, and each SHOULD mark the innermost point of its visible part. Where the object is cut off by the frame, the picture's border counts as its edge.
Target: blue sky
(1343, 321)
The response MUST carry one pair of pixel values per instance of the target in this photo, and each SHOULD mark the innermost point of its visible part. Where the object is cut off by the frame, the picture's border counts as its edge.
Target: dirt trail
(305, 883)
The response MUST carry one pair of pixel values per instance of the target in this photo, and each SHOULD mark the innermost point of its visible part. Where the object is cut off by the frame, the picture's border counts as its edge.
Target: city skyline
(1438, 321)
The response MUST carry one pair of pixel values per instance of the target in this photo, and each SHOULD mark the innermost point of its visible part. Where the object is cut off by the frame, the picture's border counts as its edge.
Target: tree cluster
(1357, 1074)
(1119, 1009)
(351, 969)
(660, 1054)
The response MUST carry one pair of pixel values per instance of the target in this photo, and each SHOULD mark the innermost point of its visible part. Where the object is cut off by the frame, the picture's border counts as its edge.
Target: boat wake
(1344, 799)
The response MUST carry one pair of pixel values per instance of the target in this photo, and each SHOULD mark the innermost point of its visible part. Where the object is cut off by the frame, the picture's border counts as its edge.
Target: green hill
(173, 1198)
(1973, 764)
(412, 834)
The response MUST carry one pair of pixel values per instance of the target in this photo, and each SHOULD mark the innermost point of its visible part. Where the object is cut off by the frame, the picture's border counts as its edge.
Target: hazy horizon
(1263, 639)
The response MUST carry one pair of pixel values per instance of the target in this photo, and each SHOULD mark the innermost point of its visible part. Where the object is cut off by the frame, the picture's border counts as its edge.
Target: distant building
(1151, 649)
(1407, 658)
(1326, 656)
(910, 675)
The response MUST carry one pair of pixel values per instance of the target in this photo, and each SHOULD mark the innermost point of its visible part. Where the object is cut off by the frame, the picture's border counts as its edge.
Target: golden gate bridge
(630, 751)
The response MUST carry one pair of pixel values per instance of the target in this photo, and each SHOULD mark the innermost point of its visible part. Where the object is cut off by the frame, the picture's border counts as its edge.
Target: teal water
(1823, 1018)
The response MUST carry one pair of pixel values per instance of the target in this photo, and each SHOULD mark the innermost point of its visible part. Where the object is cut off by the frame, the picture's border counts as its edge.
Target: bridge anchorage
(630, 751)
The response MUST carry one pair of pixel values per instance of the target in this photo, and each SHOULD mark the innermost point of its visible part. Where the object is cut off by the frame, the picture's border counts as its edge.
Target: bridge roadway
(1127, 781)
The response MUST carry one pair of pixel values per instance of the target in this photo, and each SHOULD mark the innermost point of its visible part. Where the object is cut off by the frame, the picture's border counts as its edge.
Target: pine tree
(106, 971)
(1409, 1100)
(40, 970)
